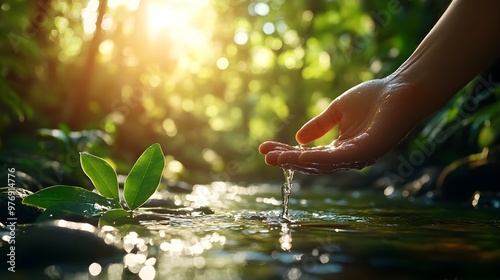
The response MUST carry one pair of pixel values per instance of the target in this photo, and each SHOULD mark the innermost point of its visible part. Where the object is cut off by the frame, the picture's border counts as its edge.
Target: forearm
(462, 43)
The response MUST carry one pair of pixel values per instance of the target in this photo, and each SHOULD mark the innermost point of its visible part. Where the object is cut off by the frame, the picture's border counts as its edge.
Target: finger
(291, 160)
(320, 169)
(328, 156)
(269, 146)
(346, 155)
(281, 158)
(302, 169)
(320, 124)
(272, 158)
(290, 157)
(324, 160)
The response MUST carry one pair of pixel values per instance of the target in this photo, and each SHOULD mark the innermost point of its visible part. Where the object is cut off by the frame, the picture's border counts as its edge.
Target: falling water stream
(286, 189)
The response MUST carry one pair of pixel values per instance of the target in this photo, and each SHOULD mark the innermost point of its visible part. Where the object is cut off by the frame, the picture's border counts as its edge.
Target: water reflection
(192, 246)
(354, 235)
(95, 269)
(285, 237)
(329, 234)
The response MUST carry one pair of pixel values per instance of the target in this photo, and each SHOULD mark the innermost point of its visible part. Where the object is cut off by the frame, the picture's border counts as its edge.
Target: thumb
(319, 125)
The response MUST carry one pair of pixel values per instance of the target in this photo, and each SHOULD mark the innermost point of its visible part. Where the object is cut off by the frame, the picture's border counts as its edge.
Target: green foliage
(140, 184)
(471, 121)
(49, 157)
(11, 106)
(17, 55)
(214, 80)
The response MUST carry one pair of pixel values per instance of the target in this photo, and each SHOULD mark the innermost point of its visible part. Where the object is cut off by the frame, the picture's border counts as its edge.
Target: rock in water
(59, 243)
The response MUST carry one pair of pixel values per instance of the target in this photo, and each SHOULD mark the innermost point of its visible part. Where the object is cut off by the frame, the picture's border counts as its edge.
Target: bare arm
(374, 116)
(462, 43)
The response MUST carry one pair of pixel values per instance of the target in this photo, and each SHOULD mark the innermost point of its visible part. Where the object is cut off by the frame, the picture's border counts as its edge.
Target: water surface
(352, 235)
(330, 235)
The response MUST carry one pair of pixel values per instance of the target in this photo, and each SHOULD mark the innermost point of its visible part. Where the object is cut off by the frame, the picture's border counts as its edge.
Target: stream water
(329, 235)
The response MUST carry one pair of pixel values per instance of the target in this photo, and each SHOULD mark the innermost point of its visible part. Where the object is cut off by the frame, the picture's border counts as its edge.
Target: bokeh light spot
(95, 269)
(222, 63)
(268, 28)
(241, 38)
(147, 273)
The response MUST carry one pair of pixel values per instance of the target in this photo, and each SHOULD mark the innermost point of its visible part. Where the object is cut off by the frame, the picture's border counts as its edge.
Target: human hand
(372, 117)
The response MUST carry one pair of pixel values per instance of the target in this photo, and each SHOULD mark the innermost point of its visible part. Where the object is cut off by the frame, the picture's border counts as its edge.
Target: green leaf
(144, 177)
(56, 194)
(102, 175)
(61, 209)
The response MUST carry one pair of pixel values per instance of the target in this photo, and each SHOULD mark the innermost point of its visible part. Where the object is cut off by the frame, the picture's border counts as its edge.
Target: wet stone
(60, 242)
(23, 213)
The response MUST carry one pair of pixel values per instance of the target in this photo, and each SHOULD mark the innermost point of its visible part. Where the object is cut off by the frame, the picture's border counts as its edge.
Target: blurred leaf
(13, 102)
(490, 134)
(52, 195)
(102, 175)
(55, 133)
(144, 177)
(486, 136)
(476, 126)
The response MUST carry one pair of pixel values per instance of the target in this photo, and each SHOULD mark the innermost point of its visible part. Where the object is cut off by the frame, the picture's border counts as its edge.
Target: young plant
(140, 184)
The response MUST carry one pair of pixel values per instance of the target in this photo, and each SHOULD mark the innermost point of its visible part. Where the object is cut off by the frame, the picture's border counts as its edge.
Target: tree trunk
(78, 106)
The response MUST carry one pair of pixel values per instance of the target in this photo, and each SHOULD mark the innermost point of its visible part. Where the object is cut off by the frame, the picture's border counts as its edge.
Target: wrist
(416, 99)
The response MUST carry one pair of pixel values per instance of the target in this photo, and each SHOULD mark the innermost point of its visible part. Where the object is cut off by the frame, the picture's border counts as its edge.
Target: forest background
(207, 79)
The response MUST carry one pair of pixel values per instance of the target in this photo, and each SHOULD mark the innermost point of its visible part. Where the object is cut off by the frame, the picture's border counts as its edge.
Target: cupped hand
(372, 117)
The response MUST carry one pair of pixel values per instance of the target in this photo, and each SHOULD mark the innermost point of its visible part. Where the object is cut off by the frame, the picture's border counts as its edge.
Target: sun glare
(183, 22)
(182, 27)
(130, 4)
(161, 16)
